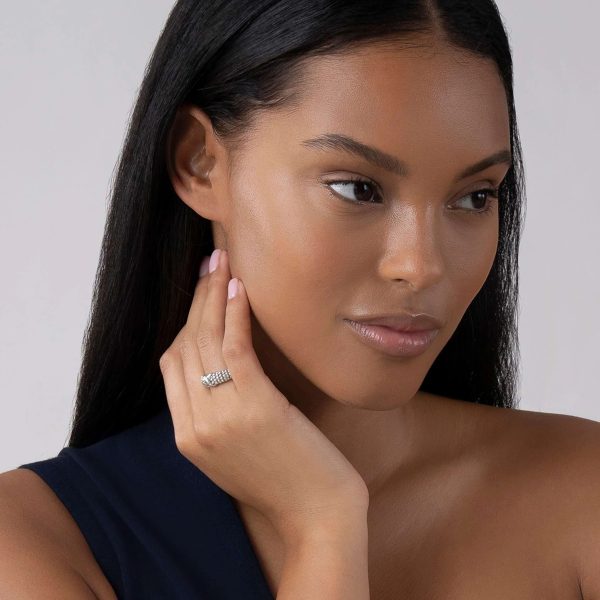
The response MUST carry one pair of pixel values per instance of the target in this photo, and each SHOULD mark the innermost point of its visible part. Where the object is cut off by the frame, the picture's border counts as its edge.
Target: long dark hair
(233, 58)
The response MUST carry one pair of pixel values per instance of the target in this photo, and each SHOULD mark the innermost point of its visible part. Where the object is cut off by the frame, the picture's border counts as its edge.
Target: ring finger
(210, 328)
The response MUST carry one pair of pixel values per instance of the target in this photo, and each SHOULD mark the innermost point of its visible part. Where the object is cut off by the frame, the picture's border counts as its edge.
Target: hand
(244, 434)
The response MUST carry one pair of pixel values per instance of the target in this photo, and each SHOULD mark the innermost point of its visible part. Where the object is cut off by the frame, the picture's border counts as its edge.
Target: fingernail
(214, 260)
(232, 288)
(204, 266)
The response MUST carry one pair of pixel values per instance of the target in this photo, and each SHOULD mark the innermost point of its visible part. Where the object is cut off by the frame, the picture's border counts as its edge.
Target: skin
(466, 501)
(308, 259)
(323, 259)
(438, 110)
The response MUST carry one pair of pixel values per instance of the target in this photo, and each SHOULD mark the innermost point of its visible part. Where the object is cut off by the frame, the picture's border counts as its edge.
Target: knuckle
(233, 348)
(182, 443)
(203, 341)
(164, 361)
(204, 436)
(187, 444)
(205, 337)
(199, 440)
(185, 346)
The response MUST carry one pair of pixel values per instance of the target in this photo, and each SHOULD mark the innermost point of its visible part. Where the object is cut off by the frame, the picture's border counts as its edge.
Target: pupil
(363, 185)
(482, 196)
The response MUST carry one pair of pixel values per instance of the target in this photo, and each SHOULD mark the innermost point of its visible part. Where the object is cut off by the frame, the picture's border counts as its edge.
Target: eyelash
(492, 193)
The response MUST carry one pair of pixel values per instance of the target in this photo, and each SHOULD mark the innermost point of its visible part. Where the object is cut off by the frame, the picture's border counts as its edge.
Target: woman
(353, 174)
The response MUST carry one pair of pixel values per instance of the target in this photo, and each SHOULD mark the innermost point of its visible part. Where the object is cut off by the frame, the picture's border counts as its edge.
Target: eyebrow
(383, 160)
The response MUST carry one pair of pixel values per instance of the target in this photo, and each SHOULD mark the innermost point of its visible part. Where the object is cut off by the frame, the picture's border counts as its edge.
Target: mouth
(392, 341)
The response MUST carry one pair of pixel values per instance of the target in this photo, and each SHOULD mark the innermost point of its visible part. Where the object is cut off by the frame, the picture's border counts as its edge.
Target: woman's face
(310, 257)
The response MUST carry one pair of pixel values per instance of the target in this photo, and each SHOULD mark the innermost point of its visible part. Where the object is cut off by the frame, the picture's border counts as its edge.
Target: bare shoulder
(552, 443)
(553, 451)
(554, 462)
(37, 529)
(574, 445)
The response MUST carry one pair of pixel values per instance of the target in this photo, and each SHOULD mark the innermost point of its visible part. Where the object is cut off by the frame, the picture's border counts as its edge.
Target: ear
(196, 161)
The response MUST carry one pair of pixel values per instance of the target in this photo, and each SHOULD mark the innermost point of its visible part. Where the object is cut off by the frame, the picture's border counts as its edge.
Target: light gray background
(69, 73)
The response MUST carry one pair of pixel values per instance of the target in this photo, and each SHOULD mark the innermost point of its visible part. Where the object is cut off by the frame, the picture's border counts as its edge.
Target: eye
(366, 191)
(485, 197)
(362, 189)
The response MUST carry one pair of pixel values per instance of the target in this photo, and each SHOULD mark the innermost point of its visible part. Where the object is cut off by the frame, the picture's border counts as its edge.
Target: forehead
(415, 96)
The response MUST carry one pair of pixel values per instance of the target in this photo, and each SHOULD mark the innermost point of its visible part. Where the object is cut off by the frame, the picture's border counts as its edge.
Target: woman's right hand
(244, 434)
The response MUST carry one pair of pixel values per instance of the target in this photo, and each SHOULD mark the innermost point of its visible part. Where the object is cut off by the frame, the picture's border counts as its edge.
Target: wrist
(327, 562)
(343, 527)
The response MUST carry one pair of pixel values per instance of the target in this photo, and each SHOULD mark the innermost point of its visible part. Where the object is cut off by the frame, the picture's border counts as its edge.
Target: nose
(414, 252)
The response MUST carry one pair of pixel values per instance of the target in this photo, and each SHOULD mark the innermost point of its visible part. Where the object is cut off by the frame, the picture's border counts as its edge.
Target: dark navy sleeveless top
(156, 524)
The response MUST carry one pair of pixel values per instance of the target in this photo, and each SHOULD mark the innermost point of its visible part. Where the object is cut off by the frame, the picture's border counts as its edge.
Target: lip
(391, 341)
(403, 321)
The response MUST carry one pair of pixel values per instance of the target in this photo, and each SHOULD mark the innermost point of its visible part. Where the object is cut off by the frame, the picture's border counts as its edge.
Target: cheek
(481, 262)
(469, 261)
(291, 262)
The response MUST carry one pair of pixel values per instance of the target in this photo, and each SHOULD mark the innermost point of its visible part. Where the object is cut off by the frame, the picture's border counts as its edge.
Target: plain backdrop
(69, 74)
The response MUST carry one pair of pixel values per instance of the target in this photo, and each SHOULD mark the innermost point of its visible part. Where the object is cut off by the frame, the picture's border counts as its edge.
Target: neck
(378, 443)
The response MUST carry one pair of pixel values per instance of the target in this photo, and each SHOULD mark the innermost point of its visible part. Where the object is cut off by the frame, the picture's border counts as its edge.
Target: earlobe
(188, 162)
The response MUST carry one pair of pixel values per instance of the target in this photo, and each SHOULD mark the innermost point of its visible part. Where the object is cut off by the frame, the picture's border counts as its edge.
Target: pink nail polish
(232, 288)
(214, 260)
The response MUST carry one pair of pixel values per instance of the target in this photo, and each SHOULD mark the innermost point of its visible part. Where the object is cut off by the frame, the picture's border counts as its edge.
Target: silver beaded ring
(216, 378)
